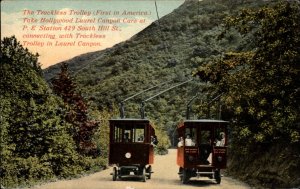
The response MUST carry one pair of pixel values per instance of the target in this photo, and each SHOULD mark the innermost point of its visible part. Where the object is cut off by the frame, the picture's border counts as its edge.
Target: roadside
(164, 177)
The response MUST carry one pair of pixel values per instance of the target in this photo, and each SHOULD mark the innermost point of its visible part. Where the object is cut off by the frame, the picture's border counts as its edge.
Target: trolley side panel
(220, 157)
(151, 154)
(191, 157)
(128, 154)
(180, 156)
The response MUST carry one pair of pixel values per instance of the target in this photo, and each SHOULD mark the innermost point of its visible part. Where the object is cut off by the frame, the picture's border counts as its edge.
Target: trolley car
(202, 149)
(130, 149)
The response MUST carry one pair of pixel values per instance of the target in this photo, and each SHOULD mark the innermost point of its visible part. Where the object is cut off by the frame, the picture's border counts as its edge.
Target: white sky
(12, 23)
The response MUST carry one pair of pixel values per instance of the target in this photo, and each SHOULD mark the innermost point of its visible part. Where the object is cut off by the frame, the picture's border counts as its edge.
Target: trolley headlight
(219, 158)
(128, 155)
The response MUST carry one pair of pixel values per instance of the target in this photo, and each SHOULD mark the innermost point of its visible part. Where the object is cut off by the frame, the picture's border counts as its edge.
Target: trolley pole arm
(188, 108)
(122, 109)
(143, 102)
(214, 99)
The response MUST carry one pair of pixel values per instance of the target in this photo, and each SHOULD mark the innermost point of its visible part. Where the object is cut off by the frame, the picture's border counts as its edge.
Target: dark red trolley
(130, 148)
(202, 149)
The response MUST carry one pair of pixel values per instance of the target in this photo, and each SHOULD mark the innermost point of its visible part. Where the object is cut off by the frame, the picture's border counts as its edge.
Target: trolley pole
(216, 98)
(188, 108)
(142, 109)
(122, 106)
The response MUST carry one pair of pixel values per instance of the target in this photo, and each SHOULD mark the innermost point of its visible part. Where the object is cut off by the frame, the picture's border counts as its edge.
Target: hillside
(161, 52)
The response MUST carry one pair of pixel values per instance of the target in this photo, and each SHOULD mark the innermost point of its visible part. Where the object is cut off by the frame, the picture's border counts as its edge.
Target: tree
(33, 134)
(82, 128)
(261, 86)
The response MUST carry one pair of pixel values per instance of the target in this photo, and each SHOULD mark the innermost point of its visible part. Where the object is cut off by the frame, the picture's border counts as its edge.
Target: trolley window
(190, 136)
(118, 133)
(139, 133)
(205, 137)
(220, 136)
(129, 133)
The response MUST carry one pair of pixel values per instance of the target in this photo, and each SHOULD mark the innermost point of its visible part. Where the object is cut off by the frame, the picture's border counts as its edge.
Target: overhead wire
(160, 29)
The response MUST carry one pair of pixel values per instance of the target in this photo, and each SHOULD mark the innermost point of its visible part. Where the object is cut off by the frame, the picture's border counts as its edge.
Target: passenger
(154, 140)
(180, 143)
(189, 141)
(221, 142)
(126, 137)
(141, 138)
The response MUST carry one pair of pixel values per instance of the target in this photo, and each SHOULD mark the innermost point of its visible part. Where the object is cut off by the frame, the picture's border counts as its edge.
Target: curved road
(164, 177)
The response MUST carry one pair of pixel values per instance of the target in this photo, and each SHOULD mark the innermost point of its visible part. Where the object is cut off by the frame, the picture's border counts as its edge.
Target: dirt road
(164, 177)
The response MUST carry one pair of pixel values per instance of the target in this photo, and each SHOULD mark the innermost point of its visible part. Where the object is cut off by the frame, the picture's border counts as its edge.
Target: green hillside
(163, 51)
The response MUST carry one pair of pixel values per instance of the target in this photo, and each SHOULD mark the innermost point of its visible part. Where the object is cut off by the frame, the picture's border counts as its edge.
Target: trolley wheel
(180, 172)
(144, 178)
(217, 176)
(149, 171)
(115, 174)
(185, 176)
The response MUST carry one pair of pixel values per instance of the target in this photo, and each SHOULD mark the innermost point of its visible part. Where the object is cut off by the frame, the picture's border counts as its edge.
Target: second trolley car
(131, 149)
(202, 149)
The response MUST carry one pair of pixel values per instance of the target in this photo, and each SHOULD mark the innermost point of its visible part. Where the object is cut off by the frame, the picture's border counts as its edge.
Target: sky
(61, 29)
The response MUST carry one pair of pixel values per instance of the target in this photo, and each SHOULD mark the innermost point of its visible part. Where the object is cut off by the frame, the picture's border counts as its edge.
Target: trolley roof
(128, 119)
(130, 122)
(202, 122)
(205, 121)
